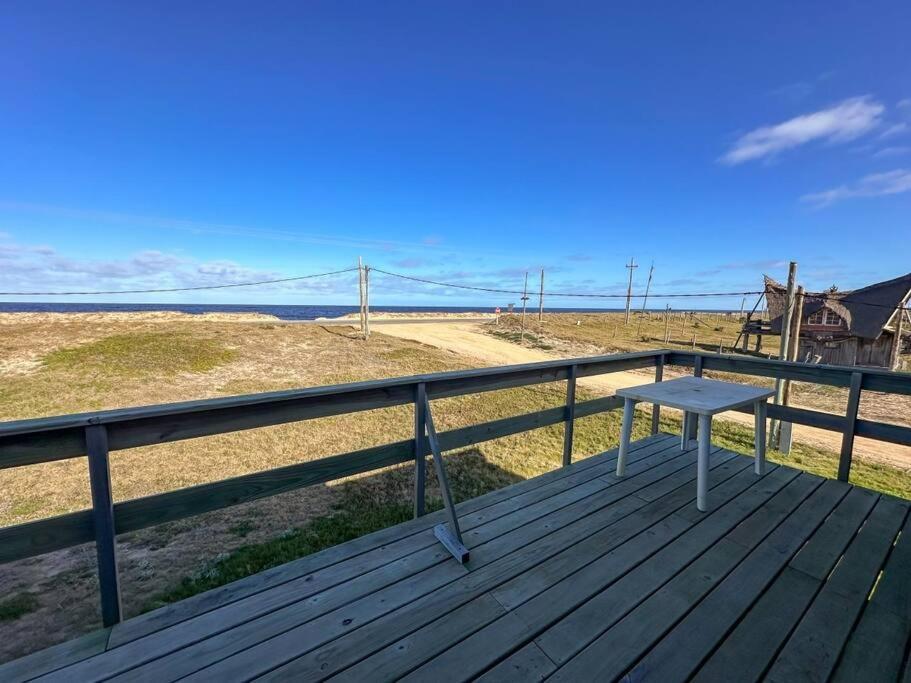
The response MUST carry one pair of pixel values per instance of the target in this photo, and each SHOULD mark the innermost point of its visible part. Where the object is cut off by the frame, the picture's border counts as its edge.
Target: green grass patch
(322, 532)
(18, 605)
(142, 353)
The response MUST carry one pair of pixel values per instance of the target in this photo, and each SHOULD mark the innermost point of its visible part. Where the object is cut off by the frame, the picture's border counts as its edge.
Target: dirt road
(467, 339)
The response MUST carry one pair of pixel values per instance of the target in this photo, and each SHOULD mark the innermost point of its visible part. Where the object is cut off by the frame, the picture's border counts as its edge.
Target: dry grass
(76, 366)
(590, 333)
(56, 365)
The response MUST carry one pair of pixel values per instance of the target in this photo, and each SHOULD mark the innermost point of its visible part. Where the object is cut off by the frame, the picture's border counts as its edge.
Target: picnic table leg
(626, 431)
(702, 466)
(759, 410)
(685, 430)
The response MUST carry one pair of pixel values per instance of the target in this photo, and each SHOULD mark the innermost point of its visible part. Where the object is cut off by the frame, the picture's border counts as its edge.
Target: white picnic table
(701, 399)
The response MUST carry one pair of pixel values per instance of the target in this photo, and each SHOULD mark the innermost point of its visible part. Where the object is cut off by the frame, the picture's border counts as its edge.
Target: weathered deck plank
(573, 575)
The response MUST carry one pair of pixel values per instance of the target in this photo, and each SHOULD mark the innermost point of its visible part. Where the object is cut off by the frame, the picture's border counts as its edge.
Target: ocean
(284, 312)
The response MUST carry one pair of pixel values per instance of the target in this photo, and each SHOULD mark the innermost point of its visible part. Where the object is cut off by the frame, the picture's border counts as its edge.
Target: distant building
(857, 327)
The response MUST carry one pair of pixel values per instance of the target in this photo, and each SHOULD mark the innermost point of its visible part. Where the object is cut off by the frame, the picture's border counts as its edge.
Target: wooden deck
(574, 575)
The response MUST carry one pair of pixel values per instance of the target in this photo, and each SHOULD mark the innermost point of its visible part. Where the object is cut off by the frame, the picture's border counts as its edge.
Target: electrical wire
(562, 294)
(182, 289)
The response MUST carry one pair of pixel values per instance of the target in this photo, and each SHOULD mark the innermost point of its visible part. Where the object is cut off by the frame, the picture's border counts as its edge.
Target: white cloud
(875, 185)
(845, 121)
(893, 130)
(891, 152)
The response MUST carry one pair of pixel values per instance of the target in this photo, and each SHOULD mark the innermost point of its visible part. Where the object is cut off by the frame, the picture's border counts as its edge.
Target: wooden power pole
(366, 302)
(774, 431)
(360, 287)
(541, 299)
(524, 302)
(629, 290)
(648, 285)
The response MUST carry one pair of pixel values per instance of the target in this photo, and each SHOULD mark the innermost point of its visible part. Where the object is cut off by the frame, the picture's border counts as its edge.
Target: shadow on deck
(575, 575)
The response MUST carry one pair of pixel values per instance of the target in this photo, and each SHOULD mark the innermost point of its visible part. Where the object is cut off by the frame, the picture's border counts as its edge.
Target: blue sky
(176, 144)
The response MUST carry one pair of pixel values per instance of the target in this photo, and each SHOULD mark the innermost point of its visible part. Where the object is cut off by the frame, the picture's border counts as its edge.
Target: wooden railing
(94, 435)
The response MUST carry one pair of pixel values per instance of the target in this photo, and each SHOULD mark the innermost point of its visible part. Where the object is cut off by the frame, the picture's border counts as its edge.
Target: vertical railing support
(847, 438)
(691, 425)
(656, 409)
(96, 445)
(570, 420)
(420, 448)
(450, 537)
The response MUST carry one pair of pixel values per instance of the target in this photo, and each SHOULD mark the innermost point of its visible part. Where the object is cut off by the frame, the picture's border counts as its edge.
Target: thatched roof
(866, 310)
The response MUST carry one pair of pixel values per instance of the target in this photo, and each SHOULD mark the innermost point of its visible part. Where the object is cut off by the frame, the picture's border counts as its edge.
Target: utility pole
(651, 269)
(742, 303)
(784, 428)
(629, 290)
(774, 432)
(895, 355)
(524, 302)
(541, 299)
(360, 287)
(366, 302)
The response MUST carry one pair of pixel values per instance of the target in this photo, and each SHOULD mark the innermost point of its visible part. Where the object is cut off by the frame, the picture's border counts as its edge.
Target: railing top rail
(46, 439)
(874, 379)
(438, 379)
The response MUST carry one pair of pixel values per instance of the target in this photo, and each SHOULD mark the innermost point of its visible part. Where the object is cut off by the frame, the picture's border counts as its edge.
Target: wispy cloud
(893, 130)
(767, 264)
(891, 152)
(874, 185)
(845, 121)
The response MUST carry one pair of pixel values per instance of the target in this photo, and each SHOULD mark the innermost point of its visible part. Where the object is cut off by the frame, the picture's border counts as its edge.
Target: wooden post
(896, 355)
(541, 299)
(366, 302)
(629, 290)
(667, 322)
(524, 302)
(420, 448)
(785, 429)
(96, 447)
(847, 439)
(656, 409)
(694, 341)
(570, 420)
(783, 347)
(360, 286)
(648, 286)
(691, 424)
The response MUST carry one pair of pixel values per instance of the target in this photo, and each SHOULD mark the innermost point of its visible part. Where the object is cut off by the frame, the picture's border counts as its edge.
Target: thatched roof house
(857, 327)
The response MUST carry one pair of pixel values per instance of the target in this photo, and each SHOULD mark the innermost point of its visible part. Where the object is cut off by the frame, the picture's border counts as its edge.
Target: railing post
(96, 445)
(420, 448)
(570, 422)
(690, 425)
(847, 439)
(656, 409)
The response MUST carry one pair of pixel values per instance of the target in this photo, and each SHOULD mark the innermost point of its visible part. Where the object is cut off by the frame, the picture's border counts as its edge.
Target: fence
(95, 435)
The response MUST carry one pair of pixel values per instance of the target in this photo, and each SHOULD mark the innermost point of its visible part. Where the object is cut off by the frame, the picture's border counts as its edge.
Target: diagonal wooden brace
(451, 535)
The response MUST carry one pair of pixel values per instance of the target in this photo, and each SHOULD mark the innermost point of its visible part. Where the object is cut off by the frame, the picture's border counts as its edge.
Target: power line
(182, 289)
(565, 294)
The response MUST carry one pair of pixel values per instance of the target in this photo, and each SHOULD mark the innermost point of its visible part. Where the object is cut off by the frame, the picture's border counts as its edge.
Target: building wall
(848, 351)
